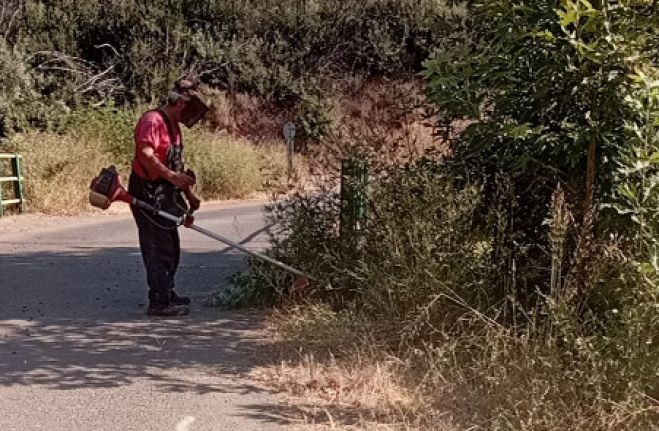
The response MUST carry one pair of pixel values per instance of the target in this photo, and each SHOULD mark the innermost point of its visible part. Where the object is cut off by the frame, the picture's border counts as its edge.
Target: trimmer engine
(106, 188)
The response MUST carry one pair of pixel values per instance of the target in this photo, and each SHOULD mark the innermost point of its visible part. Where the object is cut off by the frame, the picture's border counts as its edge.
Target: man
(158, 178)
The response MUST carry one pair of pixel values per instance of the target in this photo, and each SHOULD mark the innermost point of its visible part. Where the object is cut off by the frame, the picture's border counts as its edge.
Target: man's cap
(195, 108)
(187, 87)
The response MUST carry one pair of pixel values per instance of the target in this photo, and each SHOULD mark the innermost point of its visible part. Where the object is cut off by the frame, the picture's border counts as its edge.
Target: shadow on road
(76, 319)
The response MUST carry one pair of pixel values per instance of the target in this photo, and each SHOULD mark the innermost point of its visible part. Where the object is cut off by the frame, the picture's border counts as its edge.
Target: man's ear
(180, 103)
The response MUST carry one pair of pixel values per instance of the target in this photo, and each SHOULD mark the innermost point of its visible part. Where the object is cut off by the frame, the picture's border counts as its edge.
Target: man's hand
(188, 221)
(180, 180)
(193, 200)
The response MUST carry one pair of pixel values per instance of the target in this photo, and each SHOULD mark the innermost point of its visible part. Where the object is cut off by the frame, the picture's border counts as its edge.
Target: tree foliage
(261, 46)
(551, 92)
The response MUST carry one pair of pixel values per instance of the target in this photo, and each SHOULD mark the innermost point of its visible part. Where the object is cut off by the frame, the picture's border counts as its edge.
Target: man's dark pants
(160, 247)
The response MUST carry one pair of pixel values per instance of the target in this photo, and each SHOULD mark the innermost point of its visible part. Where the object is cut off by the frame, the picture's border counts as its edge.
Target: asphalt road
(77, 351)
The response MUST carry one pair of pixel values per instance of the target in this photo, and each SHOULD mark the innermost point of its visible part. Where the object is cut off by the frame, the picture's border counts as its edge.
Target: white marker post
(289, 136)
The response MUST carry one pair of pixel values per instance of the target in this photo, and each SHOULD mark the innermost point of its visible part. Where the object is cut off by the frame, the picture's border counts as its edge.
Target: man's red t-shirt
(151, 130)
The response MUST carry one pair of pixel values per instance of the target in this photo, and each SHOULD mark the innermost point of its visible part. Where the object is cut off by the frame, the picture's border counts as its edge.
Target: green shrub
(518, 276)
(422, 283)
(419, 242)
(21, 105)
(109, 125)
(305, 234)
(313, 118)
(280, 51)
(546, 95)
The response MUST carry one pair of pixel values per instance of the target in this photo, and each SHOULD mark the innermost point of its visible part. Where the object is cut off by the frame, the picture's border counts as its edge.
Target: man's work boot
(167, 311)
(178, 300)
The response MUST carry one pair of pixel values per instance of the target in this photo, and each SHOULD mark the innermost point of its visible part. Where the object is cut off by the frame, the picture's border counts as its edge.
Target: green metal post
(354, 183)
(18, 185)
(2, 205)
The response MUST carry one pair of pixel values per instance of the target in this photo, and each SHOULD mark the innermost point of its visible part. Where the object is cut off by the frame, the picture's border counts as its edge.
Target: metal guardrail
(17, 178)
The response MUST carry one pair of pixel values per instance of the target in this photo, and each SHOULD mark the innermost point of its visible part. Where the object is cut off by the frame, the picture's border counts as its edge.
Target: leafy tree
(547, 92)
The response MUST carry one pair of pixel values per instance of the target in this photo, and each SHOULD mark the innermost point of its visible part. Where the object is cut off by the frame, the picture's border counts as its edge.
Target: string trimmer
(107, 188)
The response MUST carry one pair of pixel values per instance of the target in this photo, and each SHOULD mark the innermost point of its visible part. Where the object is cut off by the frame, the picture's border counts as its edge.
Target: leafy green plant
(518, 276)
(313, 118)
(280, 51)
(21, 105)
(107, 124)
(542, 86)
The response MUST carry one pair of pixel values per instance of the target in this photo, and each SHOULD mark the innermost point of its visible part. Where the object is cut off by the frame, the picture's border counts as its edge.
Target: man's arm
(147, 157)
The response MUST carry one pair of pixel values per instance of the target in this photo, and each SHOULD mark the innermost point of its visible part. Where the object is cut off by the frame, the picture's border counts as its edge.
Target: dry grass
(338, 376)
(336, 395)
(58, 168)
(234, 168)
(337, 379)
(247, 116)
(402, 132)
